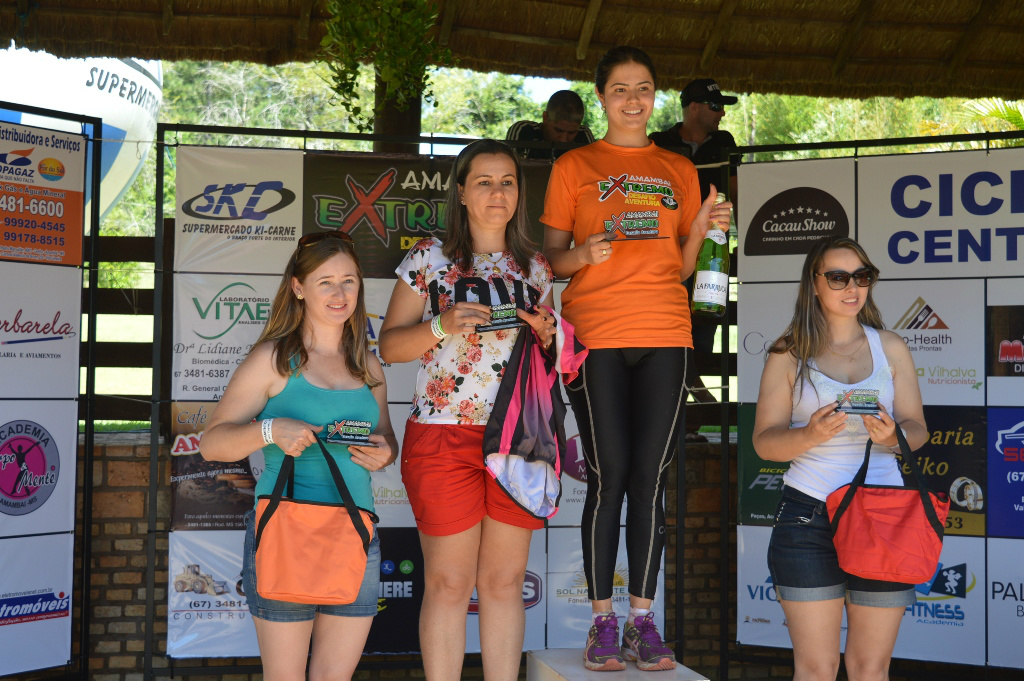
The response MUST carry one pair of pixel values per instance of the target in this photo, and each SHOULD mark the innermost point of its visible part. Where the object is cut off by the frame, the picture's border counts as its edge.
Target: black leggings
(628, 404)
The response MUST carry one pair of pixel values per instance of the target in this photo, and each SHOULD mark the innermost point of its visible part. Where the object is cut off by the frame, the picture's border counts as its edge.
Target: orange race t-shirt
(636, 298)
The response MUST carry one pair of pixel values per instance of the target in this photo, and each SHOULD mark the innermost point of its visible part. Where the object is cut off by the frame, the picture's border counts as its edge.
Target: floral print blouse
(458, 378)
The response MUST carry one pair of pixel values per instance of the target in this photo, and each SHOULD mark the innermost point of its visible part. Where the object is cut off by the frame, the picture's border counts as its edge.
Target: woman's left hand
(542, 323)
(882, 428)
(372, 458)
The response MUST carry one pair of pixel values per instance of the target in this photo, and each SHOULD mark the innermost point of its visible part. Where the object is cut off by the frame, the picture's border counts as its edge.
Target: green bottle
(711, 275)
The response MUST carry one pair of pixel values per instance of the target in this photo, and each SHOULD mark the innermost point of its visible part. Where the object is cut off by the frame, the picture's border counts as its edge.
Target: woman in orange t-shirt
(624, 222)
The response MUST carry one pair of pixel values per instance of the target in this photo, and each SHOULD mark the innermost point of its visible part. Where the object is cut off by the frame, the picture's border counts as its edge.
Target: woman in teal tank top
(310, 371)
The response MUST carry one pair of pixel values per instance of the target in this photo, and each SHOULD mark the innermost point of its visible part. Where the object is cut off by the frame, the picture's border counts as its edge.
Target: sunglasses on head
(715, 106)
(315, 237)
(838, 279)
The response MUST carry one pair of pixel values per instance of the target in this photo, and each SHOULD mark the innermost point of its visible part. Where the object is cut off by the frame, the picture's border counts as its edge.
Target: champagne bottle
(711, 276)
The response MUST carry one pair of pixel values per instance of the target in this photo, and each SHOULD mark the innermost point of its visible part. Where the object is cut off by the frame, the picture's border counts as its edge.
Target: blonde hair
(287, 314)
(806, 336)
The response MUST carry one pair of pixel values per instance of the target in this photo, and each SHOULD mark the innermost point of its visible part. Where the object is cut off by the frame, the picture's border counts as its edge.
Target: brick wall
(117, 586)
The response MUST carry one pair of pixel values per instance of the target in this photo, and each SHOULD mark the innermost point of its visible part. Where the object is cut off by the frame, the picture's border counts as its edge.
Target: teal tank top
(320, 406)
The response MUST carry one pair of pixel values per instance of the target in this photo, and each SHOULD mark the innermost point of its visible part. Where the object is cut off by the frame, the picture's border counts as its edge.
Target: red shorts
(449, 487)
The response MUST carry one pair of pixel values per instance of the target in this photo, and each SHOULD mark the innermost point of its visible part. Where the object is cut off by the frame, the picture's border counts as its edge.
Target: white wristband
(436, 329)
(268, 433)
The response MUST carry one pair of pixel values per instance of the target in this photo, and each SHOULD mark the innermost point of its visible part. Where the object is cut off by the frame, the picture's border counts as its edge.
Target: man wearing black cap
(697, 137)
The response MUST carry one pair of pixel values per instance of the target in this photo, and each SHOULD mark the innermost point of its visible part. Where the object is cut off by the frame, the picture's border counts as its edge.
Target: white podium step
(566, 664)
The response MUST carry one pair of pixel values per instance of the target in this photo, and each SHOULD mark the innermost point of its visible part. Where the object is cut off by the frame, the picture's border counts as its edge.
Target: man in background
(561, 122)
(697, 136)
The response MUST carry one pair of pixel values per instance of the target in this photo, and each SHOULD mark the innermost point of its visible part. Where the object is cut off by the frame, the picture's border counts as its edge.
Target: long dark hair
(623, 54)
(807, 334)
(458, 242)
(287, 314)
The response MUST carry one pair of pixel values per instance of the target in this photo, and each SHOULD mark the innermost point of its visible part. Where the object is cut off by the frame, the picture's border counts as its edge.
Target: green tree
(476, 104)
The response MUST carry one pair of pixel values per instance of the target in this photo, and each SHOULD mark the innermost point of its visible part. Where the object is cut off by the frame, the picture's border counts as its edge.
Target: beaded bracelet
(436, 328)
(268, 433)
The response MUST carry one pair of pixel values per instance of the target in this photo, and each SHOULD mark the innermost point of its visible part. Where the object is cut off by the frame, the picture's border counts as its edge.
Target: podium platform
(566, 664)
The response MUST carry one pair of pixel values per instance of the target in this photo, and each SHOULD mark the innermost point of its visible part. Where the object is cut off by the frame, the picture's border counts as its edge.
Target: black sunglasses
(838, 279)
(309, 239)
(715, 106)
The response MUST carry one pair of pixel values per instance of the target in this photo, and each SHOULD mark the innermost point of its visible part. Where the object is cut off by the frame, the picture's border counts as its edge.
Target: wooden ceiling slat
(447, 20)
(721, 22)
(589, 22)
(853, 35)
(970, 35)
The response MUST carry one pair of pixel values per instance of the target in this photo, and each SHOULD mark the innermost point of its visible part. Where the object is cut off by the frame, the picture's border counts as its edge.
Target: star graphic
(800, 209)
(817, 212)
(791, 211)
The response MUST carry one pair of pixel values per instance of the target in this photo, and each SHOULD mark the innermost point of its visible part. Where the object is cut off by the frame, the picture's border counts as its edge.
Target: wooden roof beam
(447, 20)
(852, 36)
(725, 12)
(168, 15)
(305, 11)
(589, 22)
(970, 35)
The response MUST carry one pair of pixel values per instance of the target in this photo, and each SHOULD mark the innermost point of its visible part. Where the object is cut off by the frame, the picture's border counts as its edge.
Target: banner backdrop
(42, 197)
(40, 330)
(42, 182)
(35, 602)
(944, 229)
(227, 197)
(234, 209)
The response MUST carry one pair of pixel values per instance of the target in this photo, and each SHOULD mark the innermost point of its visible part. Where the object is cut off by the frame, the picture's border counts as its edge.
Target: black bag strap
(861, 476)
(287, 475)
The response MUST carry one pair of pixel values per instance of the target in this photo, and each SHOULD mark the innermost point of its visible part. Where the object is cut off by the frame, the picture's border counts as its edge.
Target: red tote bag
(888, 533)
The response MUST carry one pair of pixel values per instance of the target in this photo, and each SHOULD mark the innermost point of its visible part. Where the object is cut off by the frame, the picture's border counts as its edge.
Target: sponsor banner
(1004, 341)
(759, 617)
(788, 206)
(401, 377)
(40, 330)
(943, 324)
(953, 461)
(1005, 595)
(390, 500)
(205, 495)
(38, 449)
(760, 480)
(947, 624)
(388, 203)
(938, 215)
(35, 602)
(1005, 472)
(763, 312)
(42, 177)
(217, 318)
(396, 627)
(569, 614)
(533, 601)
(207, 613)
(227, 198)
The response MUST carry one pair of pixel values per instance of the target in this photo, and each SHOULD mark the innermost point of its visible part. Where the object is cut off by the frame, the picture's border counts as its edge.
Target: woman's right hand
(293, 435)
(464, 317)
(595, 250)
(825, 424)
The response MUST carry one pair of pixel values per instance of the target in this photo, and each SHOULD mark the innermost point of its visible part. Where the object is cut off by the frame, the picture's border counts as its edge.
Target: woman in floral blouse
(473, 535)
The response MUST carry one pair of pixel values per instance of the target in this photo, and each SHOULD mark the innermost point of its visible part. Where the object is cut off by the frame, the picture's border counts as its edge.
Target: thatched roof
(857, 48)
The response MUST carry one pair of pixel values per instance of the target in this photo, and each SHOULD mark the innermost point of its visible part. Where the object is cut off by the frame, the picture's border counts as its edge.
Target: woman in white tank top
(834, 349)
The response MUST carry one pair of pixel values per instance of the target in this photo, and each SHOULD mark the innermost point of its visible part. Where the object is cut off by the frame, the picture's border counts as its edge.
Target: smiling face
(490, 193)
(848, 301)
(330, 292)
(628, 97)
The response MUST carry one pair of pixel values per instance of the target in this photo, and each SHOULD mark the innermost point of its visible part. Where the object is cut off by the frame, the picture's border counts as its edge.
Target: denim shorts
(803, 562)
(365, 604)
